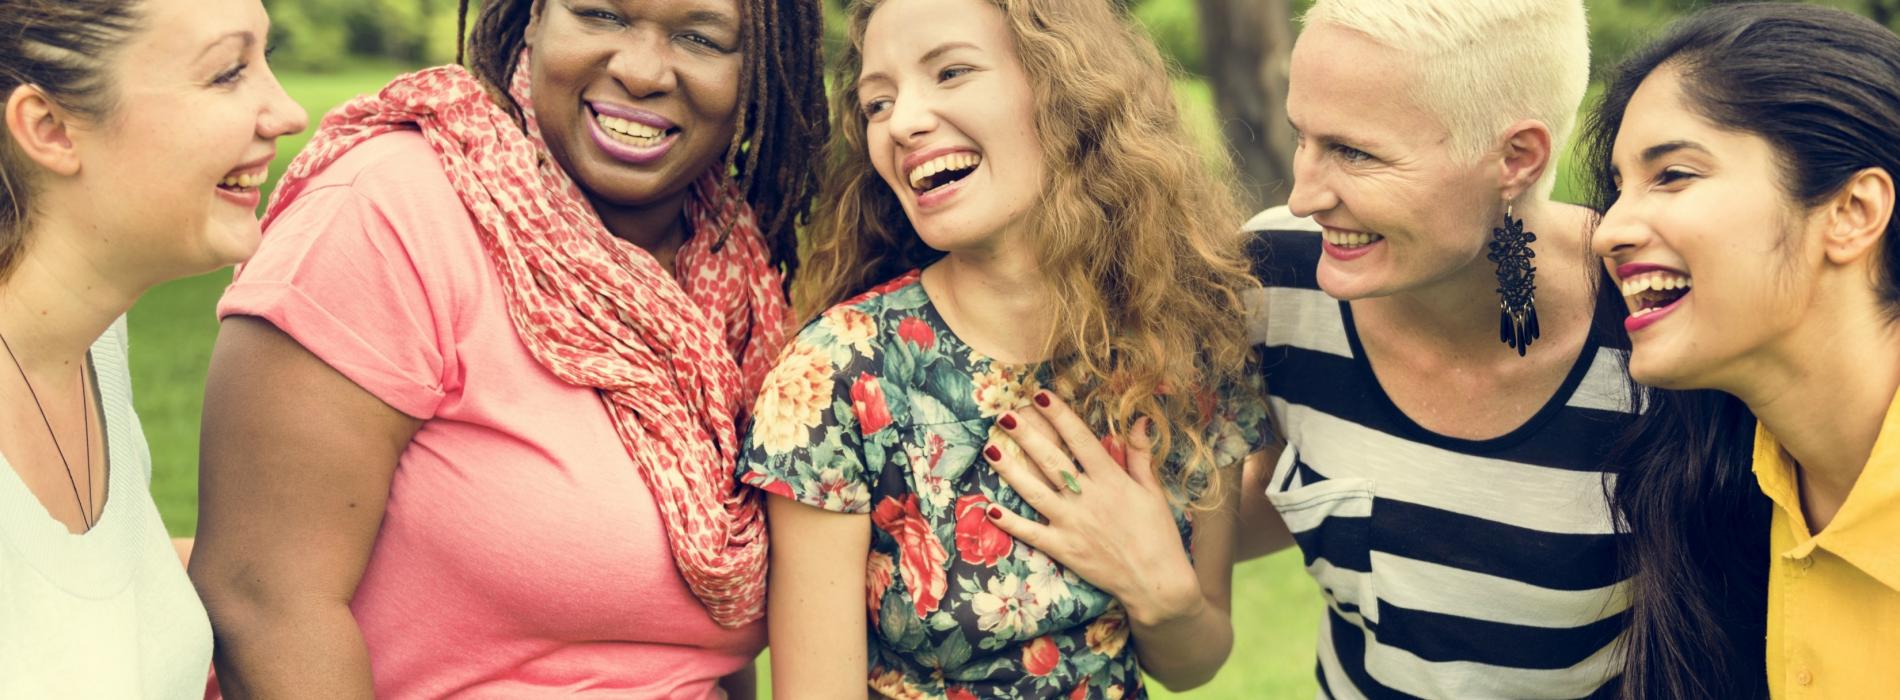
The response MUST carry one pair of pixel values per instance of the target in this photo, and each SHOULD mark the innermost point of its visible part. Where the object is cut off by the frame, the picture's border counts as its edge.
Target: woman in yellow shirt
(1745, 165)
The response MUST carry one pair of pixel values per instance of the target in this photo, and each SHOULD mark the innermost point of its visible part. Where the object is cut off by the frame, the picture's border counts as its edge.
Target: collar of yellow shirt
(1866, 530)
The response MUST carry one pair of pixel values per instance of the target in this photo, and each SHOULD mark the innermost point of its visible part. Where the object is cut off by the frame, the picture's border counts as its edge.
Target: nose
(1311, 193)
(282, 116)
(1619, 232)
(911, 118)
(645, 66)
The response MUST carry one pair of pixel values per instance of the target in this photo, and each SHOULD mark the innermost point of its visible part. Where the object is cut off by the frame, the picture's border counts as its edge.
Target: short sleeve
(813, 416)
(334, 274)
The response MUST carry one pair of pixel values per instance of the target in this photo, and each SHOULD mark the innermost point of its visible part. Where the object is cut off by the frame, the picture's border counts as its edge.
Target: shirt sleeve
(335, 274)
(810, 423)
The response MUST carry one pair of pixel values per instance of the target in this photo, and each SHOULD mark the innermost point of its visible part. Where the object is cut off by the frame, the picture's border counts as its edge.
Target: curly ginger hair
(1138, 241)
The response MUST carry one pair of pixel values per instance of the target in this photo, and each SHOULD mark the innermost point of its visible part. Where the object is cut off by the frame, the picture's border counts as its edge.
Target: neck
(659, 228)
(997, 301)
(1461, 310)
(58, 301)
(1824, 406)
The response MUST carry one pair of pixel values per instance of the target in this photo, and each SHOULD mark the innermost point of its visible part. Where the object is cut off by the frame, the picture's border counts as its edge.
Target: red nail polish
(1042, 399)
(1007, 421)
(996, 513)
(994, 454)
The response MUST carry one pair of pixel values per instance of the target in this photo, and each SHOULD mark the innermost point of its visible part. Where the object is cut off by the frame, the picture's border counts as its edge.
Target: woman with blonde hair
(1013, 214)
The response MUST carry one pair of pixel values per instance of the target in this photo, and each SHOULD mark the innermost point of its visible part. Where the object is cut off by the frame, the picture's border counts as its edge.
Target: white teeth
(1660, 280)
(629, 128)
(245, 181)
(953, 161)
(1350, 239)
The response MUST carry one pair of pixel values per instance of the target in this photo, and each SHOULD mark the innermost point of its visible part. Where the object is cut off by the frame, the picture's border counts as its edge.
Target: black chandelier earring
(1517, 307)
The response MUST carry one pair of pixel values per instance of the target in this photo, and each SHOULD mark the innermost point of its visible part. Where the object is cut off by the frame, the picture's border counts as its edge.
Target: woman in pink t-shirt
(471, 420)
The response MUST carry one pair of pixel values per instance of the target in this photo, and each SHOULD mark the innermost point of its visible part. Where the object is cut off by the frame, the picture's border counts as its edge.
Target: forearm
(291, 649)
(1184, 652)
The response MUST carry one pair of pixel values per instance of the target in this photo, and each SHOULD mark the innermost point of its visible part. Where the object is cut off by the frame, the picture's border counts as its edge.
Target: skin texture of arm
(294, 476)
(1261, 530)
(815, 613)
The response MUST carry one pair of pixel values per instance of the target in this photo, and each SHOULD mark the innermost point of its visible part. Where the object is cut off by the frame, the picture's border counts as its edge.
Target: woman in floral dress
(1013, 214)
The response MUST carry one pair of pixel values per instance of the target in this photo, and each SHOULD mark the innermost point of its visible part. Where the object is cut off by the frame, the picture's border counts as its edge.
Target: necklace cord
(85, 512)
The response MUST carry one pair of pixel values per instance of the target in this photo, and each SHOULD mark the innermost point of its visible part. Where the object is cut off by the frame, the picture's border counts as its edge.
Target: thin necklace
(86, 510)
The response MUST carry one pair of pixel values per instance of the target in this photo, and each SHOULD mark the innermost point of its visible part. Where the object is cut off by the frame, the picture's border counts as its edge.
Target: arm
(815, 601)
(1186, 651)
(1261, 530)
(294, 475)
(1114, 528)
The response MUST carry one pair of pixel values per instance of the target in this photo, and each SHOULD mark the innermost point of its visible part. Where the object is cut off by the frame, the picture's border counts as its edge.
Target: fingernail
(995, 513)
(1042, 399)
(994, 454)
(1008, 421)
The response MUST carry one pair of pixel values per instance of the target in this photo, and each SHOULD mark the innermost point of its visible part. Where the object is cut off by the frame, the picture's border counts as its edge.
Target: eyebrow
(1652, 153)
(710, 17)
(248, 38)
(928, 56)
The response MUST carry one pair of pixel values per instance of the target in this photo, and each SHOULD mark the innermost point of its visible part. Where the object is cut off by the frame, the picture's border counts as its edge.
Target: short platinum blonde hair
(1482, 64)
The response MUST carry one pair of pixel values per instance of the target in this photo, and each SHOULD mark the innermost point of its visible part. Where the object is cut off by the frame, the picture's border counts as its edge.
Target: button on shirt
(1834, 597)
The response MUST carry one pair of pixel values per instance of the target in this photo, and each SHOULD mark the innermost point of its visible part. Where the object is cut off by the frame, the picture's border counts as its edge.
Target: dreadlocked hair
(782, 118)
(1139, 243)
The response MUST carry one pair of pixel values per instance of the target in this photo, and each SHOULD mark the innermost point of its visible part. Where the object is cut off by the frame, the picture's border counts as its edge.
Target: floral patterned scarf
(676, 362)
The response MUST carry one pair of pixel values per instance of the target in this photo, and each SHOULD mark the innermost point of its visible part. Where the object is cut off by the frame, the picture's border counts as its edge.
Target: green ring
(1068, 478)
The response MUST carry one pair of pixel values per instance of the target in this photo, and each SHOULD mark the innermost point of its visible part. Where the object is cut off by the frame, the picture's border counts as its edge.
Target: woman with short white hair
(1436, 366)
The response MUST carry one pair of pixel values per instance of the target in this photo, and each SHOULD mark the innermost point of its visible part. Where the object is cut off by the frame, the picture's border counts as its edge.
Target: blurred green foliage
(333, 35)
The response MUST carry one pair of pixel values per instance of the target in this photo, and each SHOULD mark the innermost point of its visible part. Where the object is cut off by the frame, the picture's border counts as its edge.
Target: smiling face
(1377, 172)
(1712, 252)
(174, 165)
(636, 99)
(951, 120)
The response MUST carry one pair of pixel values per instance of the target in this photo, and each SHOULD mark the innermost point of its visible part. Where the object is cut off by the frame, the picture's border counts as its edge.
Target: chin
(1345, 287)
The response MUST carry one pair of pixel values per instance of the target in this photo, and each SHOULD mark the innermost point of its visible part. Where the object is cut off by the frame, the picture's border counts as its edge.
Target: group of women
(528, 351)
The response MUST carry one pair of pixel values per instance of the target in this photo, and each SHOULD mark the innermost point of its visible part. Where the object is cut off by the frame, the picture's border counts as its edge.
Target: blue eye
(875, 107)
(1351, 155)
(952, 73)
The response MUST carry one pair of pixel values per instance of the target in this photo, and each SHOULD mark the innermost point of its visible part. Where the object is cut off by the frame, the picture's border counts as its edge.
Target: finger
(1029, 532)
(1140, 454)
(1076, 434)
(1025, 479)
(1045, 451)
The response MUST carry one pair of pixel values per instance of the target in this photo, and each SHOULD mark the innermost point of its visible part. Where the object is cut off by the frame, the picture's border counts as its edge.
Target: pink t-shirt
(521, 554)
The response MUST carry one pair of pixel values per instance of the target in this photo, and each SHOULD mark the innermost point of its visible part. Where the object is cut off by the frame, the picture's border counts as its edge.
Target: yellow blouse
(1834, 598)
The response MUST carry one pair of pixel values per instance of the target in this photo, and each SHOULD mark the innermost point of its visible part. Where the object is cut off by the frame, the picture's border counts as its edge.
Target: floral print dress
(878, 408)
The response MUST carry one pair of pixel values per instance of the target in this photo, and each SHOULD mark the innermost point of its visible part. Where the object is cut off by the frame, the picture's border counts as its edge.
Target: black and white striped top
(1451, 568)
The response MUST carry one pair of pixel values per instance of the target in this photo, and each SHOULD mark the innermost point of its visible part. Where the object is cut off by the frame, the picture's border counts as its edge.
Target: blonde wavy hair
(1138, 241)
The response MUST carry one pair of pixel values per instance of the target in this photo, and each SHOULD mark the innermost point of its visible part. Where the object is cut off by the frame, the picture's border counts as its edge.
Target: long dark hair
(1822, 87)
(782, 116)
(60, 47)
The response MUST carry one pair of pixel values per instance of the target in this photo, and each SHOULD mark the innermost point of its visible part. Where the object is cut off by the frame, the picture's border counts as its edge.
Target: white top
(107, 614)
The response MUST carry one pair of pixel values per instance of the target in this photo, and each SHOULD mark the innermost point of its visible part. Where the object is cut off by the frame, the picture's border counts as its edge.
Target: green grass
(1277, 607)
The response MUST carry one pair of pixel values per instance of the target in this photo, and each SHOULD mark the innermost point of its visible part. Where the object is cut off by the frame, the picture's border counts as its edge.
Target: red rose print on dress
(867, 401)
(917, 332)
(921, 557)
(980, 541)
(1041, 656)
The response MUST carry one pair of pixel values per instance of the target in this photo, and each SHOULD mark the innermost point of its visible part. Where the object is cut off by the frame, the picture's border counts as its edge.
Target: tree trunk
(1248, 44)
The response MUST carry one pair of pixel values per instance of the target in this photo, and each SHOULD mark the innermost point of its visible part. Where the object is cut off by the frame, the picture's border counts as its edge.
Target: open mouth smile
(942, 170)
(1653, 293)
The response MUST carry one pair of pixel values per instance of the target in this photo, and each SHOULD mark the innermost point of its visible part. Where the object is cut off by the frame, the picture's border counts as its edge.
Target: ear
(1524, 154)
(41, 130)
(1858, 216)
